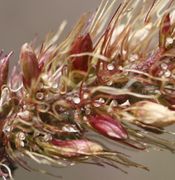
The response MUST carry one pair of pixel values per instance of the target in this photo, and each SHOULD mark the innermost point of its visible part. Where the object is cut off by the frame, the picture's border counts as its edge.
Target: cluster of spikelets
(113, 77)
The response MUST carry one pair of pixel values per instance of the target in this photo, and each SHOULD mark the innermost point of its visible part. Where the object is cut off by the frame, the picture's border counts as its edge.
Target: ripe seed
(133, 57)
(167, 74)
(169, 41)
(76, 100)
(164, 66)
(110, 67)
(39, 95)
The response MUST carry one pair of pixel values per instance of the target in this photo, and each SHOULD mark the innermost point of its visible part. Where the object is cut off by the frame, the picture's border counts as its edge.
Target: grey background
(20, 21)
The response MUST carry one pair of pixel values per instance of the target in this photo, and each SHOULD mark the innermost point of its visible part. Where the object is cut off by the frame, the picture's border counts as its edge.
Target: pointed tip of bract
(4, 68)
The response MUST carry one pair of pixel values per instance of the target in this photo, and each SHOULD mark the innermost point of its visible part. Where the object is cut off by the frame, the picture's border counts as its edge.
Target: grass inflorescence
(113, 75)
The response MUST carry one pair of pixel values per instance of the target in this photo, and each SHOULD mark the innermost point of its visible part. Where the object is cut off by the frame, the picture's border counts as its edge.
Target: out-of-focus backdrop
(20, 22)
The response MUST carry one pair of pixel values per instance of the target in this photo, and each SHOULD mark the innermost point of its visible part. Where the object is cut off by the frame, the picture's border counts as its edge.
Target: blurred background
(20, 22)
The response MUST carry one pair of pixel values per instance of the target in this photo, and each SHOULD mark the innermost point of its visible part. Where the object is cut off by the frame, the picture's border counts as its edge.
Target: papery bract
(4, 68)
(82, 44)
(77, 147)
(108, 126)
(153, 114)
(29, 65)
